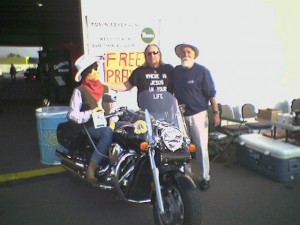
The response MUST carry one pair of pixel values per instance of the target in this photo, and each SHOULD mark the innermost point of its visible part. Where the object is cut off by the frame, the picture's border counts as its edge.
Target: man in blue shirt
(194, 87)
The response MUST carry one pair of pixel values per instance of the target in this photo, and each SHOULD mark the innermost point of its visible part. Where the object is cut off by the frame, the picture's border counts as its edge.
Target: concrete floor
(237, 195)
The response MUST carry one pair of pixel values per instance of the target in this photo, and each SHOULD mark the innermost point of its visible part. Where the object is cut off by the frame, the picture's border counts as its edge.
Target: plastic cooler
(275, 159)
(48, 119)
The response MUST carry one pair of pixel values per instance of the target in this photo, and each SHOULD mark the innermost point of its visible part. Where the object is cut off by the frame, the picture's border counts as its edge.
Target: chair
(222, 137)
(295, 107)
(217, 139)
(249, 114)
(230, 124)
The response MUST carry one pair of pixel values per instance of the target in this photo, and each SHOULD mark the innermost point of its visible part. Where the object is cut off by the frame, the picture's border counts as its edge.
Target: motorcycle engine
(115, 153)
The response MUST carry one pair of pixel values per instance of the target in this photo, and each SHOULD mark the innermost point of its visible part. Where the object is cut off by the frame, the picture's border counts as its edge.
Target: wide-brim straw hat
(180, 46)
(82, 63)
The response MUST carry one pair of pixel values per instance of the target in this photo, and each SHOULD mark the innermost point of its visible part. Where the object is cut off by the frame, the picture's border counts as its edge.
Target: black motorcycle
(146, 161)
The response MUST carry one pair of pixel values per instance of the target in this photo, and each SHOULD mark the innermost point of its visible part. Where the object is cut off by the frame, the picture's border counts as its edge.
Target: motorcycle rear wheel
(182, 207)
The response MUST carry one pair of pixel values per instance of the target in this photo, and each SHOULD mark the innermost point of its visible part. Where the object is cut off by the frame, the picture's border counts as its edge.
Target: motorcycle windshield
(162, 106)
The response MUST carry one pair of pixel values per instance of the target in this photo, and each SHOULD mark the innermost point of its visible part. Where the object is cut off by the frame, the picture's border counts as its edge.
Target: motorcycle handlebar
(119, 112)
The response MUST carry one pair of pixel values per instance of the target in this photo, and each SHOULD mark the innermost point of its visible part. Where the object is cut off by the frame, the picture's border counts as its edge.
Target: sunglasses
(95, 66)
(152, 53)
(89, 69)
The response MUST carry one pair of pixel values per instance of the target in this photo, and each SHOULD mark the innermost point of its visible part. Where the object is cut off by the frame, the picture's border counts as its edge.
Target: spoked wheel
(182, 207)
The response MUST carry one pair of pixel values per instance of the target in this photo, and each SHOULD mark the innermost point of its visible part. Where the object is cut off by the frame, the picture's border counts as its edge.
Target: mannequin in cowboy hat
(194, 87)
(86, 101)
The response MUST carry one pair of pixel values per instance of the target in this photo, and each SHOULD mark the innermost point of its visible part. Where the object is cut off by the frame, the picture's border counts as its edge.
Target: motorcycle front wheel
(182, 207)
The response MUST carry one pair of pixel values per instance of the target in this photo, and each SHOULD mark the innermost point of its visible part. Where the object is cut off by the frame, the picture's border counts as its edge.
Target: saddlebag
(71, 135)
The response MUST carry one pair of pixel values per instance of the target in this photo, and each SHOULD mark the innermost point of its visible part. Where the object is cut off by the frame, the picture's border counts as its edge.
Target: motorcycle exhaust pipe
(79, 168)
(68, 159)
(73, 169)
(69, 164)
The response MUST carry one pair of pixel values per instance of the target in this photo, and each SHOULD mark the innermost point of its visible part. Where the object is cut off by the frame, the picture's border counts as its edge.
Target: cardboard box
(269, 114)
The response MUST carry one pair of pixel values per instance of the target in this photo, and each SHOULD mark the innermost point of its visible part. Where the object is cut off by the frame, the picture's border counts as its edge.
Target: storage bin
(48, 119)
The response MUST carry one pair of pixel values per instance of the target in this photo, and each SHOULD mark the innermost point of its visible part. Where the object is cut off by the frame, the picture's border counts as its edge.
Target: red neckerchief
(94, 87)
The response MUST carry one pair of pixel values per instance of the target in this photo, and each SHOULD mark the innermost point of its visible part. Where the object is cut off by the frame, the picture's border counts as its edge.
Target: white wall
(250, 46)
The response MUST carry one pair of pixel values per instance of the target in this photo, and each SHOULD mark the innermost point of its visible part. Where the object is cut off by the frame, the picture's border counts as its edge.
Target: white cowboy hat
(180, 46)
(82, 63)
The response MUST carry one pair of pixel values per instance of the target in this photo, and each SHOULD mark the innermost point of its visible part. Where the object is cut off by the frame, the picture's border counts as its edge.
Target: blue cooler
(275, 159)
(48, 119)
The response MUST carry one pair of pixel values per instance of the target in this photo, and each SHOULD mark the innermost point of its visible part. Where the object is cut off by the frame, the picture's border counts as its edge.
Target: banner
(119, 65)
(119, 35)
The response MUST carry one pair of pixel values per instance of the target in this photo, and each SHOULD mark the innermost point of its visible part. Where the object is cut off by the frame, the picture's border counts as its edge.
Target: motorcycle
(146, 160)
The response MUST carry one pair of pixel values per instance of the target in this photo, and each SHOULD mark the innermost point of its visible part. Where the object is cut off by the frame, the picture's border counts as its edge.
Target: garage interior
(47, 23)
(55, 25)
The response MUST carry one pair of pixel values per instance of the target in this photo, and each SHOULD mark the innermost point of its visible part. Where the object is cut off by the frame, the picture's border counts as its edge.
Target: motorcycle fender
(183, 181)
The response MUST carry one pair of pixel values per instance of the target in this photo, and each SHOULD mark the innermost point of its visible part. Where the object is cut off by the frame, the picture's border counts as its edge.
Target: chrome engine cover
(115, 153)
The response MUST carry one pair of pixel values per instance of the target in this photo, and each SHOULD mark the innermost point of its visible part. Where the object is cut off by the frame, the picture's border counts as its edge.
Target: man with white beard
(194, 87)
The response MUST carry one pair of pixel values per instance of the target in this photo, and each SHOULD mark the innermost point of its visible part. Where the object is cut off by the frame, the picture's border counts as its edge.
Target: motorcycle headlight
(172, 138)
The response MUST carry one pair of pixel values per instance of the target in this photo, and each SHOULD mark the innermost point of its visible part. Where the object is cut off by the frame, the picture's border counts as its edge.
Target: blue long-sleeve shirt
(193, 87)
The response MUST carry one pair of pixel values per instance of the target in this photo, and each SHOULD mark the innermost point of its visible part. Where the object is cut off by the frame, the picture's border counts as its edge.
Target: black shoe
(204, 185)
